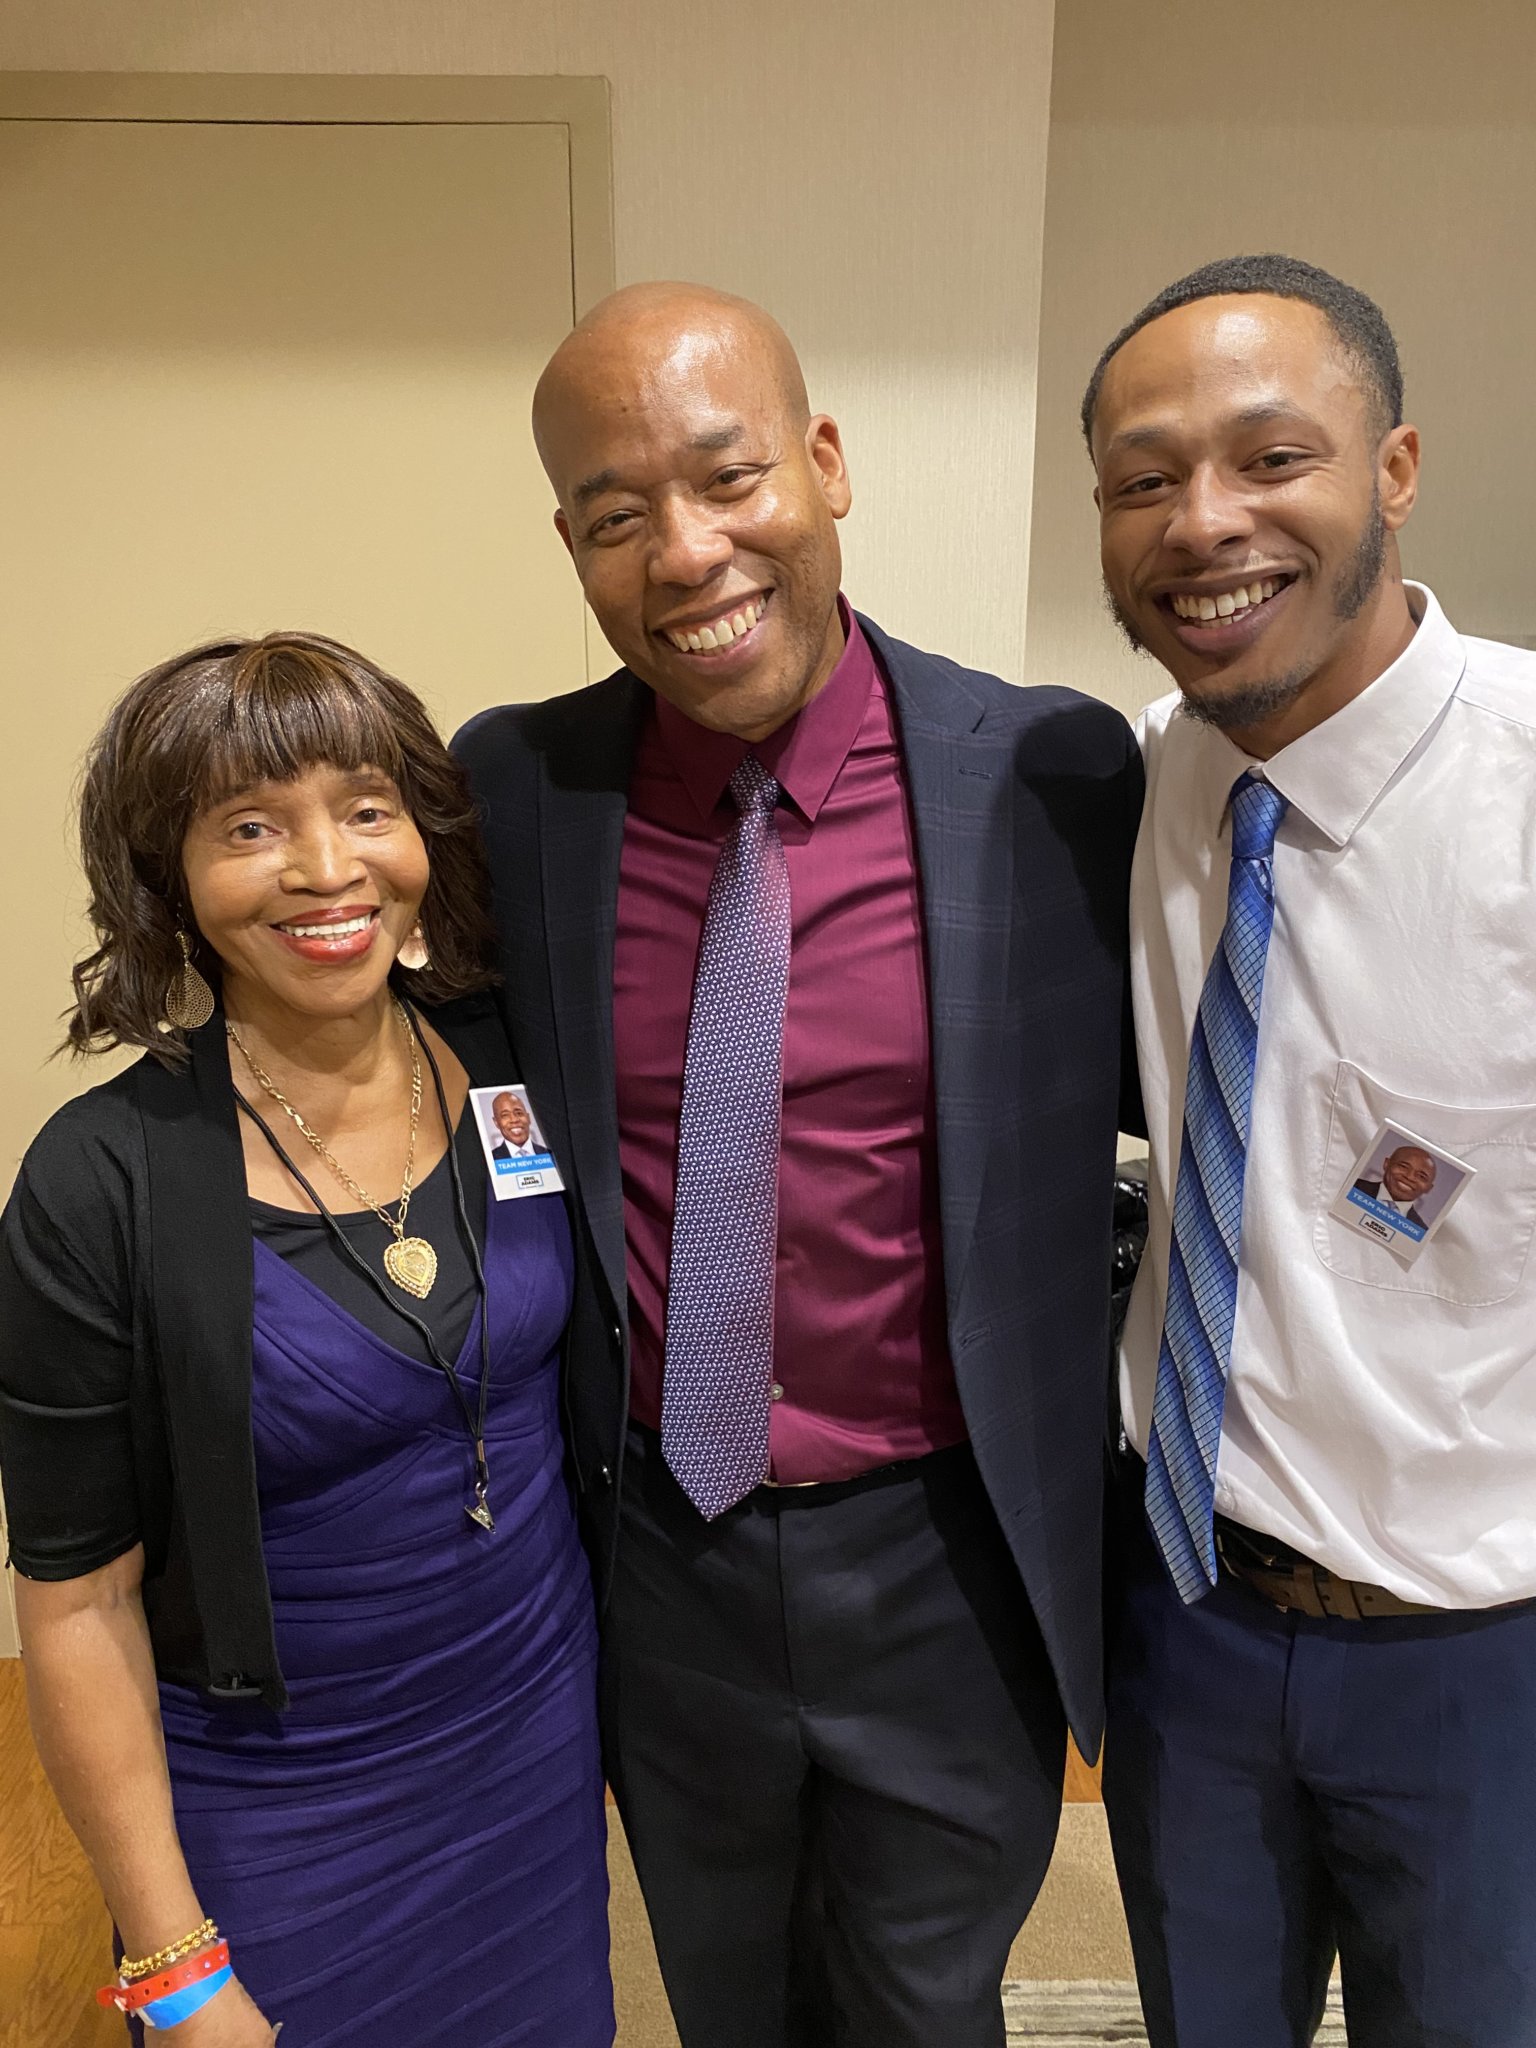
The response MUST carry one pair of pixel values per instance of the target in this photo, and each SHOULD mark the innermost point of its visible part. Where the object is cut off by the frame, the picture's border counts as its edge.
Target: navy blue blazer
(1025, 804)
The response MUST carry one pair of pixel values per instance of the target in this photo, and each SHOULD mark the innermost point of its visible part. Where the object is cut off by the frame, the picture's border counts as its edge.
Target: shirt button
(775, 1392)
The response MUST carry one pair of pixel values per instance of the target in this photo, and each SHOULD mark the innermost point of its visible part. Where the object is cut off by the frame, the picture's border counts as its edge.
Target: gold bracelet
(171, 1953)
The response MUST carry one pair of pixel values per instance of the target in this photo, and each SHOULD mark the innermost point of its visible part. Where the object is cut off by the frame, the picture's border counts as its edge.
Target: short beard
(1362, 572)
(1253, 704)
(1237, 710)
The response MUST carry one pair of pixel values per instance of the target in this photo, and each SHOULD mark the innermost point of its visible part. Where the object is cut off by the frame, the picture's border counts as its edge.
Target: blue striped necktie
(1208, 1206)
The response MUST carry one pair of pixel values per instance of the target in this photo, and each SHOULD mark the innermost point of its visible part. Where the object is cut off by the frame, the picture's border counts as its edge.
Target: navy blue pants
(1280, 1788)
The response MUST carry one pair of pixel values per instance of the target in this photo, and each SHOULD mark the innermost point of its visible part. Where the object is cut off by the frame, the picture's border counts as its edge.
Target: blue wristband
(177, 2006)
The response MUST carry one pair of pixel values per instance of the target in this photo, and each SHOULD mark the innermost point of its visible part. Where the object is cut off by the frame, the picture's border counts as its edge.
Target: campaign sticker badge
(1400, 1190)
(516, 1155)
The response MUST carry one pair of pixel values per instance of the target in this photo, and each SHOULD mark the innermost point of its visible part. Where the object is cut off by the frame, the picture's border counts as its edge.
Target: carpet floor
(1086, 2015)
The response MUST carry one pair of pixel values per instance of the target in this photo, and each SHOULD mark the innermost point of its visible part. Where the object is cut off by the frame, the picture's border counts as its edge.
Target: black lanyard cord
(474, 1418)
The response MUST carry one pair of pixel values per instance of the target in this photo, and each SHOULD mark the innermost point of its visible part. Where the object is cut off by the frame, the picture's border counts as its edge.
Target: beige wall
(203, 327)
(871, 174)
(1392, 141)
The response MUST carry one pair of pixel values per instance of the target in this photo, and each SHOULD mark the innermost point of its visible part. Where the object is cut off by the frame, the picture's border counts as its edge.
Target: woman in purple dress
(309, 1634)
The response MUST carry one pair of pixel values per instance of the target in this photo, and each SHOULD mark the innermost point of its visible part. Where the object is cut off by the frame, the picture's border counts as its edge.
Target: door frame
(579, 105)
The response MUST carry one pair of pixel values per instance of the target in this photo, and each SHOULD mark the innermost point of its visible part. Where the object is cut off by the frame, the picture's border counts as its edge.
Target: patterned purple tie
(725, 1223)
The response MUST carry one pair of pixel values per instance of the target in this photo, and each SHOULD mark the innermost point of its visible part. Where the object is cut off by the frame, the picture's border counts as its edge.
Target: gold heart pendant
(412, 1265)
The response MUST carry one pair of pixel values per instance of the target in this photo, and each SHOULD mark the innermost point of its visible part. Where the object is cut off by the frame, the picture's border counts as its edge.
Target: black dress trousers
(837, 1747)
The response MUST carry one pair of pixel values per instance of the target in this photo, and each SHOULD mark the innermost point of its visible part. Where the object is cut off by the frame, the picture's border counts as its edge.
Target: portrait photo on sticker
(516, 1154)
(1400, 1190)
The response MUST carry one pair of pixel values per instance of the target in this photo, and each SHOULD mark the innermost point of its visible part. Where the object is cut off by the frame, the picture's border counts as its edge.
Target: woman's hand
(86, 1640)
(230, 2019)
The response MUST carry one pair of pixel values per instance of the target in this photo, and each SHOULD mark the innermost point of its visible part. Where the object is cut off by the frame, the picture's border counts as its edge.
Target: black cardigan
(126, 1307)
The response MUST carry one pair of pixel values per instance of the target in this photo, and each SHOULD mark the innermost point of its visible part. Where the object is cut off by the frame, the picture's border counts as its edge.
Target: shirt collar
(806, 753)
(1335, 773)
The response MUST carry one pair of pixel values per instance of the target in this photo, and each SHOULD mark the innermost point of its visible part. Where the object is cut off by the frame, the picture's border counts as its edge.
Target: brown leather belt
(1298, 1586)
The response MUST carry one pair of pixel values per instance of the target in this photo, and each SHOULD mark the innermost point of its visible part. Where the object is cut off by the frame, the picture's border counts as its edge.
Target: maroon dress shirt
(862, 1372)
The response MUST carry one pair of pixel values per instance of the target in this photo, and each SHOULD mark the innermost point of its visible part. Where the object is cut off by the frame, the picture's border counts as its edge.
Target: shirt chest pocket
(1481, 1251)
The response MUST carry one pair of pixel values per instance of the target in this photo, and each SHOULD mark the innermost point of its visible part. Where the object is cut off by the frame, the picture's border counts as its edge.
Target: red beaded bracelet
(144, 1990)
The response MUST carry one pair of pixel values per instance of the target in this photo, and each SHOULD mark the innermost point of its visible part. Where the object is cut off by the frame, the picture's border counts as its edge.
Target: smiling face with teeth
(699, 500)
(306, 889)
(1248, 511)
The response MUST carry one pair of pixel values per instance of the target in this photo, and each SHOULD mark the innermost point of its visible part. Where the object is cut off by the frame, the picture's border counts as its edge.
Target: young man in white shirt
(1322, 1689)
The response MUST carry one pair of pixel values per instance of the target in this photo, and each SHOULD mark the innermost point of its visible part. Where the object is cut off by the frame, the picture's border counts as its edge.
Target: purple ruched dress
(412, 1854)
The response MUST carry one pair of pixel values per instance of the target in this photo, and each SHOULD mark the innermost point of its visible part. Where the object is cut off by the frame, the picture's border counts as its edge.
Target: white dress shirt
(1380, 1416)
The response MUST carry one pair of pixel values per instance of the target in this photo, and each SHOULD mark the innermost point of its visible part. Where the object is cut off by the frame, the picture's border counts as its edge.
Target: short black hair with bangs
(199, 729)
(1358, 323)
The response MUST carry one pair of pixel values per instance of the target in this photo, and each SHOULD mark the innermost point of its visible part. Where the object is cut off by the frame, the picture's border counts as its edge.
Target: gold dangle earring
(188, 999)
(413, 953)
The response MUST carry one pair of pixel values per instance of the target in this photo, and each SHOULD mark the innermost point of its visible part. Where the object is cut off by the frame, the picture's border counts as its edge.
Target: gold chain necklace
(410, 1262)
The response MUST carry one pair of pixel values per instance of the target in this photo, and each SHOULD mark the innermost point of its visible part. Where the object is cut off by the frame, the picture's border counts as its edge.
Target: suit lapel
(960, 783)
(583, 801)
